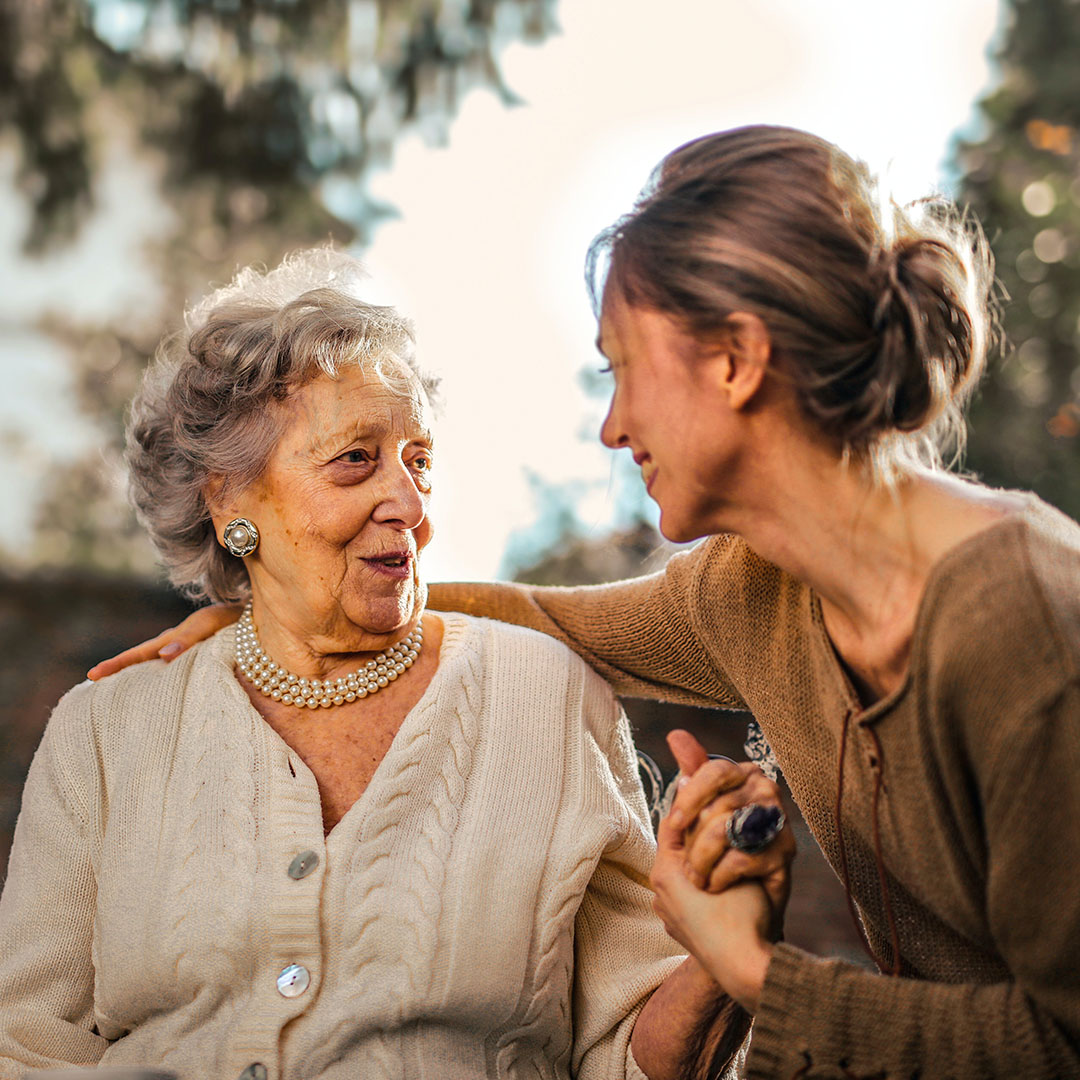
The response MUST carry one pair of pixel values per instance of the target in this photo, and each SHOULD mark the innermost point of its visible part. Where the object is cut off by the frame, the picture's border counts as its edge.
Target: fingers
(689, 753)
(670, 842)
(148, 650)
(692, 840)
(669, 865)
(170, 643)
(707, 840)
(770, 866)
(709, 781)
(204, 622)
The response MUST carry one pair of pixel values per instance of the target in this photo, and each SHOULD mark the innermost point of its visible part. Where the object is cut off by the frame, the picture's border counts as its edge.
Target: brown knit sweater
(976, 757)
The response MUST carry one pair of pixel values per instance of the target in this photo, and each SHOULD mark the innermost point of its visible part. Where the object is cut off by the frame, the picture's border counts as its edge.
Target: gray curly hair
(206, 409)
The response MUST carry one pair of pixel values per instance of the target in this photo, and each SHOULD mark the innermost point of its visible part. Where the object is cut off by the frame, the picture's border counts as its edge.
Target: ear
(748, 348)
(213, 492)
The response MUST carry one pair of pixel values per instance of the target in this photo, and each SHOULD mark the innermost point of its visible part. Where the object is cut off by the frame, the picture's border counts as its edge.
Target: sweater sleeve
(47, 906)
(1028, 1026)
(638, 634)
(621, 951)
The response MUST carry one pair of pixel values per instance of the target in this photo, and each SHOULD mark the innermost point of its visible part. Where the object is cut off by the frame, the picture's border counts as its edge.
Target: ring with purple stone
(753, 827)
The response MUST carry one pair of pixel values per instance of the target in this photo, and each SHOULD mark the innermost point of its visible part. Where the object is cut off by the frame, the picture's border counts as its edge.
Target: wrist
(742, 973)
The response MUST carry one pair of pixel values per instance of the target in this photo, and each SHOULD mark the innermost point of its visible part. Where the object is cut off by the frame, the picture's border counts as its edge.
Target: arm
(47, 911)
(687, 1028)
(825, 1016)
(699, 883)
(638, 634)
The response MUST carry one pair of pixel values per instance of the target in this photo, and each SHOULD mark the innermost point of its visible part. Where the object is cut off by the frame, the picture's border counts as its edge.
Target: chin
(678, 531)
(386, 618)
(671, 528)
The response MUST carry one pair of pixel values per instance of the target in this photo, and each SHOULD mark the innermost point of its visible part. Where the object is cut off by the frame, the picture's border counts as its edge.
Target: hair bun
(879, 315)
(929, 339)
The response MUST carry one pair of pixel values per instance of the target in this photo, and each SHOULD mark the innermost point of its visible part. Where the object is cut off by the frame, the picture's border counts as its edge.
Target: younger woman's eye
(605, 370)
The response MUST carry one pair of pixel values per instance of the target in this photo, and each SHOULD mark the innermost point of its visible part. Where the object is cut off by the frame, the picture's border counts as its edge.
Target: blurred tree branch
(262, 120)
(1022, 178)
(275, 95)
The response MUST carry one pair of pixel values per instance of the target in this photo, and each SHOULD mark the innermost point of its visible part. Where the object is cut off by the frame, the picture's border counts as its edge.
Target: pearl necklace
(275, 682)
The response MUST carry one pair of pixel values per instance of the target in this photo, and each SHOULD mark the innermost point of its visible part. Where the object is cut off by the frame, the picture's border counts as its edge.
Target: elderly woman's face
(342, 512)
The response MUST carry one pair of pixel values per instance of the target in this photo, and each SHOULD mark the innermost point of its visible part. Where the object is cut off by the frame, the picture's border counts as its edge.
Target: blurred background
(468, 150)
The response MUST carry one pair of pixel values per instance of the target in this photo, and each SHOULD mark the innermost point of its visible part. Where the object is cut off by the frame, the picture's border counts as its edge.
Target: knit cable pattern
(552, 979)
(392, 922)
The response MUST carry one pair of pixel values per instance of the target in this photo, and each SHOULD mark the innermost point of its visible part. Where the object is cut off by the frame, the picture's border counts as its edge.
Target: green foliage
(263, 119)
(1023, 181)
(278, 95)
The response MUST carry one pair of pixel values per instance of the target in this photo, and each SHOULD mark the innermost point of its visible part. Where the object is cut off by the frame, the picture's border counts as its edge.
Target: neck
(844, 537)
(324, 649)
(867, 550)
(267, 676)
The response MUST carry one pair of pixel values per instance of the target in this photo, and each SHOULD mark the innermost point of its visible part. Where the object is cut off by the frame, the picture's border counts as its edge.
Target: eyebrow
(328, 443)
(599, 343)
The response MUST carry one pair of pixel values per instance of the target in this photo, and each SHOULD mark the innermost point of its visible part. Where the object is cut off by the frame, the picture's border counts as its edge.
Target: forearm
(636, 634)
(816, 1014)
(689, 1028)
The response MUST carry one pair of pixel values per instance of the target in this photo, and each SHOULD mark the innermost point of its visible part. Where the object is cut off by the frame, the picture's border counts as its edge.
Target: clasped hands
(724, 906)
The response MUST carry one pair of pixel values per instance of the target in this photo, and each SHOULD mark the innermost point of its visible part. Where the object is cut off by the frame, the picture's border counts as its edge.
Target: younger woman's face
(669, 410)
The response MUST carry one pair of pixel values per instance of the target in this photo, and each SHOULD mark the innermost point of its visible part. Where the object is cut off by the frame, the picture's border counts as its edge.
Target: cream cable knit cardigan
(480, 911)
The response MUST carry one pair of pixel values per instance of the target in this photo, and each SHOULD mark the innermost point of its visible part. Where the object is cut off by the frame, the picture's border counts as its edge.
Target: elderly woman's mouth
(393, 564)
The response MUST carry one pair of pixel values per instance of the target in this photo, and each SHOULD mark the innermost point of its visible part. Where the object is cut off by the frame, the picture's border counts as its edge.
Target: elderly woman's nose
(400, 500)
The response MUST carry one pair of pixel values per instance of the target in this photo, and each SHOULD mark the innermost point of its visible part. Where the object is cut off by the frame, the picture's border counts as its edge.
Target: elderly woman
(345, 838)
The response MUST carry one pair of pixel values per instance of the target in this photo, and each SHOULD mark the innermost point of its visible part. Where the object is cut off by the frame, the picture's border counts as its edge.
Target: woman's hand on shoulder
(169, 644)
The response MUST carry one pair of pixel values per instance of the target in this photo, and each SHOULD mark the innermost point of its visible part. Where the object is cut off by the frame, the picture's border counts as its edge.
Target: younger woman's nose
(611, 433)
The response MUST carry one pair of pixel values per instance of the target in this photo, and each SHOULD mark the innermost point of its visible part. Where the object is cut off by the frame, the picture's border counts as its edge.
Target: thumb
(689, 753)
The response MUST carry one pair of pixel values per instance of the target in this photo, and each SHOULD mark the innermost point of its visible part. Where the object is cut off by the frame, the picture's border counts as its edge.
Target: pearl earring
(240, 537)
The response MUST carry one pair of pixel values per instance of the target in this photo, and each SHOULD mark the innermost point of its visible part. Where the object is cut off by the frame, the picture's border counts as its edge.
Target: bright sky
(488, 252)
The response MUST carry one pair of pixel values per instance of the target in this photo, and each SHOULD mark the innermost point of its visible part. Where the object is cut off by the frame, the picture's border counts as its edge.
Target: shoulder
(1019, 579)
(741, 604)
(512, 647)
(730, 573)
(530, 668)
(1001, 618)
(114, 711)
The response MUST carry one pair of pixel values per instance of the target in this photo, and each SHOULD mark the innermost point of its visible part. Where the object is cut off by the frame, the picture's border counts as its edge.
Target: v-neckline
(872, 713)
(452, 626)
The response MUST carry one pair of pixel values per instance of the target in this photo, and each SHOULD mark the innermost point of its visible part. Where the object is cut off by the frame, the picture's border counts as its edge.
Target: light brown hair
(879, 315)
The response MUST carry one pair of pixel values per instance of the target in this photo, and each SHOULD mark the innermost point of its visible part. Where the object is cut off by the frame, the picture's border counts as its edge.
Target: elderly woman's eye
(355, 457)
(421, 470)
